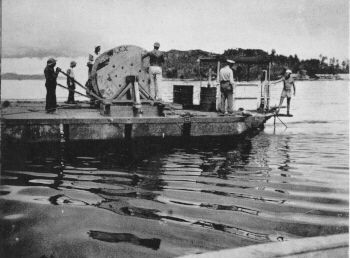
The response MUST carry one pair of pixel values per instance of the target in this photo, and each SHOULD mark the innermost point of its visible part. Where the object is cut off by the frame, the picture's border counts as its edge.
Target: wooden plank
(246, 98)
(323, 246)
(247, 85)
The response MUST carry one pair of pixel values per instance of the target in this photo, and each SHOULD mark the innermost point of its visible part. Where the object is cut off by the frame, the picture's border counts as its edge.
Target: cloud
(40, 28)
(60, 47)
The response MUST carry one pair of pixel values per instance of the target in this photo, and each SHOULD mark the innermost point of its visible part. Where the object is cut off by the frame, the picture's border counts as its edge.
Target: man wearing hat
(288, 83)
(156, 59)
(90, 63)
(227, 85)
(50, 84)
(71, 82)
(92, 59)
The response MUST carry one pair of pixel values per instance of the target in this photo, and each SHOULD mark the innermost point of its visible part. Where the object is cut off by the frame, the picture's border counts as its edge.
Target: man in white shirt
(227, 86)
(71, 83)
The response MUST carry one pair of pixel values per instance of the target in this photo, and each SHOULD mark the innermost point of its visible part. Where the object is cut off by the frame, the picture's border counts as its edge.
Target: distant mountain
(15, 76)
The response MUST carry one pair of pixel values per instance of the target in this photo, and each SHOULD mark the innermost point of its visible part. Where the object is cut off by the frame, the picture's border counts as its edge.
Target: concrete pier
(29, 122)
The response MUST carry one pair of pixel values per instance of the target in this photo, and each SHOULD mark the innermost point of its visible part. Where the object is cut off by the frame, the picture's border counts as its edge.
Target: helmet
(156, 44)
(73, 63)
(288, 71)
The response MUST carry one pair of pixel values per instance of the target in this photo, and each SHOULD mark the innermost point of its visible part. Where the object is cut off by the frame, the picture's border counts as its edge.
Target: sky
(71, 28)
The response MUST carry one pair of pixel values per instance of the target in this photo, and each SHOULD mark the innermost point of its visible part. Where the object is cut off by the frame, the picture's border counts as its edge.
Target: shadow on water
(249, 188)
(153, 243)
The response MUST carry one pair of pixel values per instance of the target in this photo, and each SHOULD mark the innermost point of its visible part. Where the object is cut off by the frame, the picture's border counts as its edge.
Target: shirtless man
(288, 83)
(156, 59)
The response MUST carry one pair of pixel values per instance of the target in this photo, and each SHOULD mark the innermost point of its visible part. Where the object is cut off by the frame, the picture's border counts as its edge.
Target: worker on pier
(156, 59)
(50, 84)
(288, 83)
(92, 59)
(90, 63)
(71, 82)
(227, 87)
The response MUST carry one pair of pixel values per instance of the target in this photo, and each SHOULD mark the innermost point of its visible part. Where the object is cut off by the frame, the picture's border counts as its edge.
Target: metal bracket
(187, 118)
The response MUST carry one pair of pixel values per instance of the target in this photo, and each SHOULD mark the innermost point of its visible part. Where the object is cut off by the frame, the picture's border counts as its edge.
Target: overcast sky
(41, 28)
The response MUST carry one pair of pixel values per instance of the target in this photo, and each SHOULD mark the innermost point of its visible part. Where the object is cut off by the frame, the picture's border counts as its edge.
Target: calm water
(171, 197)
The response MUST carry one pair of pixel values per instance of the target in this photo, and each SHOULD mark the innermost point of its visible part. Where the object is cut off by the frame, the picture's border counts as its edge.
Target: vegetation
(184, 64)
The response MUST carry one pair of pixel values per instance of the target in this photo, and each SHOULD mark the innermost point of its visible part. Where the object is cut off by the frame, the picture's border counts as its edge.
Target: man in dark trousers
(227, 87)
(156, 59)
(50, 84)
(71, 83)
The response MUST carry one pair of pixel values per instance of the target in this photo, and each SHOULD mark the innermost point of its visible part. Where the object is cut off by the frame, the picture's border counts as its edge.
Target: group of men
(51, 75)
(227, 88)
(156, 59)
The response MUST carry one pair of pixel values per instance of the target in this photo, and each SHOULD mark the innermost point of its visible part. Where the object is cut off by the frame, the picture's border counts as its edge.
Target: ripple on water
(261, 189)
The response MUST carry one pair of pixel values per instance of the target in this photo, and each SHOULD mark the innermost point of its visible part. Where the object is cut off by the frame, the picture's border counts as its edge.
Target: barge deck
(26, 120)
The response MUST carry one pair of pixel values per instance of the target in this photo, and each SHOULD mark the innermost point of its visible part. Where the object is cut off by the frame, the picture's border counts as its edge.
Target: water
(167, 198)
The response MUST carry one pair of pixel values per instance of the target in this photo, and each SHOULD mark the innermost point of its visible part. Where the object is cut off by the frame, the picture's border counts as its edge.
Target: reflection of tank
(113, 71)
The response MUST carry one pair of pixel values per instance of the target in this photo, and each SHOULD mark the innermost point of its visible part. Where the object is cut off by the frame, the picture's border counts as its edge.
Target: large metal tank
(111, 68)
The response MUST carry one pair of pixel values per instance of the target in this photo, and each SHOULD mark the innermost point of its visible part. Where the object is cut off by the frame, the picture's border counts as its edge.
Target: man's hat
(156, 44)
(230, 61)
(73, 63)
(288, 71)
(51, 61)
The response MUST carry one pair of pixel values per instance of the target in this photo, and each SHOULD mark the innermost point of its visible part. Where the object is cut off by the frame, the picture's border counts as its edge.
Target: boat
(123, 107)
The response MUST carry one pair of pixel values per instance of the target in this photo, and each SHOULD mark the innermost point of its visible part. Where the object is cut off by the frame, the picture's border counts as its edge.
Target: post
(248, 70)
(135, 93)
(217, 73)
(209, 77)
(262, 91)
(268, 88)
(218, 92)
(200, 74)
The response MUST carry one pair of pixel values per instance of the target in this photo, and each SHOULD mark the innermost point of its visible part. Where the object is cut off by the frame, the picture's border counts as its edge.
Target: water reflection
(250, 189)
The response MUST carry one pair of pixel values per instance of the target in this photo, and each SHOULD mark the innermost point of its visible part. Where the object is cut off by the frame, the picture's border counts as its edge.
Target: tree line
(185, 65)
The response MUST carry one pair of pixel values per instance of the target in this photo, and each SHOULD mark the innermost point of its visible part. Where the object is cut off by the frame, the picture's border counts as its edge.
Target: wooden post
(218, 94)
(131, 79)
(268, 88)
(248, 70)
(200, 74)
(217, 73)
(209, 77)
(137, 101)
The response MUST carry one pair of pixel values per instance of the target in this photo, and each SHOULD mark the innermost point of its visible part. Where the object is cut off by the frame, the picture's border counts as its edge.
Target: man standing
(92, 59)
(90, 63)
(71, 82)
(288, 83)
(227, 86)
(156, 59)
(50, 84)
